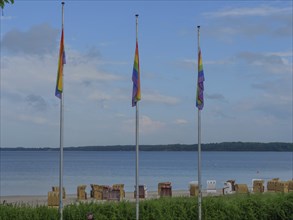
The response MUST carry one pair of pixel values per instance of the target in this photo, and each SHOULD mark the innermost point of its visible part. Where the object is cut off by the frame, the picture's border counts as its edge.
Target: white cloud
(231, 24)
(286, 57)
(270, 62)
(31, 74)
(33, 119)
(180, 121)
(3, 17)
(39, 39)
(274, 106)
(36, 102)
(81, 68)
(146, 125)
(216, 96)
(280, 54)
(28, 74)
(102, 98)
(192, 63)
(28, 86)
(156, 97)
(149, 125)
(99, 96)
(256, 11)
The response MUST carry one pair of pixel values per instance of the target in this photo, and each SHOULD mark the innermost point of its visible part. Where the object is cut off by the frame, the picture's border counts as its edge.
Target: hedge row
(262, 206)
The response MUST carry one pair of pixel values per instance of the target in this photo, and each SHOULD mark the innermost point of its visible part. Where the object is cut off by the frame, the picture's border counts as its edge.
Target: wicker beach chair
(81, 194)
(241, 188)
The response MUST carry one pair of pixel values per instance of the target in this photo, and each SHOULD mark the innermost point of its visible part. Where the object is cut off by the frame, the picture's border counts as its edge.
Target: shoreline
(221, 146)
(34, 200)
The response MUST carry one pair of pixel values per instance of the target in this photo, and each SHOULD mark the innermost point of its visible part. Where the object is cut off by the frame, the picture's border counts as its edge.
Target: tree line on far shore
(224, 146)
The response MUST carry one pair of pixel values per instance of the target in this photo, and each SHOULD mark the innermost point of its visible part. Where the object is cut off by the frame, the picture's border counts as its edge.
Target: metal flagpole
(136, 175)
(199, 151)
(61, 140)
(137, 146)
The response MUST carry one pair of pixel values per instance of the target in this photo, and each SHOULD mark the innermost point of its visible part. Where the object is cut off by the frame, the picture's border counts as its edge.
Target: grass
(269, 206)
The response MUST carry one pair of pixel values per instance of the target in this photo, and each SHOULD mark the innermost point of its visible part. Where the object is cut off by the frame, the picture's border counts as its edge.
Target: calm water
(33, 173)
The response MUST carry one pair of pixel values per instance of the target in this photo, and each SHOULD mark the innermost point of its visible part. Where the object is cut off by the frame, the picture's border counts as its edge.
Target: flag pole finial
(198, 27)
(136, 15)
(62, 3)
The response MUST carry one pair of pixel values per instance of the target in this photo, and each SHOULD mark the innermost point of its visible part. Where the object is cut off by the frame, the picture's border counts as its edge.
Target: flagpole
(136, 175)
(199, 151)
(61, 140)
(137, 144)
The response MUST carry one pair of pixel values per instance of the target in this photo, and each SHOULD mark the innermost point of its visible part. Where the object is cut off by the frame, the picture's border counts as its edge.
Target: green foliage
(249, 207)
(3, 2)
(104, 211)
(24, 212)
(270, 206)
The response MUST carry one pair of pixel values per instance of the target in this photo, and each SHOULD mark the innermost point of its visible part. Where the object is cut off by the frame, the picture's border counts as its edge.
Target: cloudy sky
(247, 60)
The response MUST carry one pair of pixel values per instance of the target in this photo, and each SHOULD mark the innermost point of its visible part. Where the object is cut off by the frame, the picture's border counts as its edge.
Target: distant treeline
(225, 146)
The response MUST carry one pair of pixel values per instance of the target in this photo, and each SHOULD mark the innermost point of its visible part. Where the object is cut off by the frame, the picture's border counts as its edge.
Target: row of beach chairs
(104, 192)
(116, 192)
(258, 186)
(275, 185)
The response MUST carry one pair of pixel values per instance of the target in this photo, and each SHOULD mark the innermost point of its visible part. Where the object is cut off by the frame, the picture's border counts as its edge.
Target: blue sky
(247, 60)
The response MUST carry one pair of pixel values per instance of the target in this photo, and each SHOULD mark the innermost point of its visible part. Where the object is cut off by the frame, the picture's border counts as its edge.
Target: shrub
(272, 206)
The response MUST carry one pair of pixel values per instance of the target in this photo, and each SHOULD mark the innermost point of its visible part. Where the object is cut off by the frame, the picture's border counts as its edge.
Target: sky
(247, 60)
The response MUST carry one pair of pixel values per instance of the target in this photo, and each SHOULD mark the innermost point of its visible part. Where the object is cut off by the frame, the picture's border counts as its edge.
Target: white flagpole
(199, 151)
(137, 145)
(61, 139)
(137, 153)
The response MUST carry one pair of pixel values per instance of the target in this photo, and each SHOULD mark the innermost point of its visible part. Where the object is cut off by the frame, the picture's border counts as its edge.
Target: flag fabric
(136, 94)
(61, 62)
(200, 86)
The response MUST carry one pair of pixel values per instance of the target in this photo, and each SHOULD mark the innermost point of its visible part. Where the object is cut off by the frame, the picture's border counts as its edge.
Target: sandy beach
(72, 198)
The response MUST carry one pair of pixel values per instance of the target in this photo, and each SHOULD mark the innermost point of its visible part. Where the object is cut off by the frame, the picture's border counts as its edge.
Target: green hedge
(255, 206)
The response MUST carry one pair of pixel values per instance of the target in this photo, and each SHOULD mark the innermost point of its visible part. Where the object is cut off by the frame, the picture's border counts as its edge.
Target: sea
(35, 172)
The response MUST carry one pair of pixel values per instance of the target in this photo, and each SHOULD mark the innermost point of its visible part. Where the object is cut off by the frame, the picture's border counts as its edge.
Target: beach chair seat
(193, 188)
(113, 194)
(258, 186)
(106, 191)
(211, 186)
(121, 188)
(99, 192)
(165, 189)
(282, 186)
(232, 184)
(53, 199)
(81, 194)
(290, 185)
(142, 189)
(241, 188)
(271, 185)
(56, 189)
(227, 188)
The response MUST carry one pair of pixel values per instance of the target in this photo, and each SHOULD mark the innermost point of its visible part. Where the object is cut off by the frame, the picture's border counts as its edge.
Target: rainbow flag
(200, 80)
(62, 61)
(136, 95)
